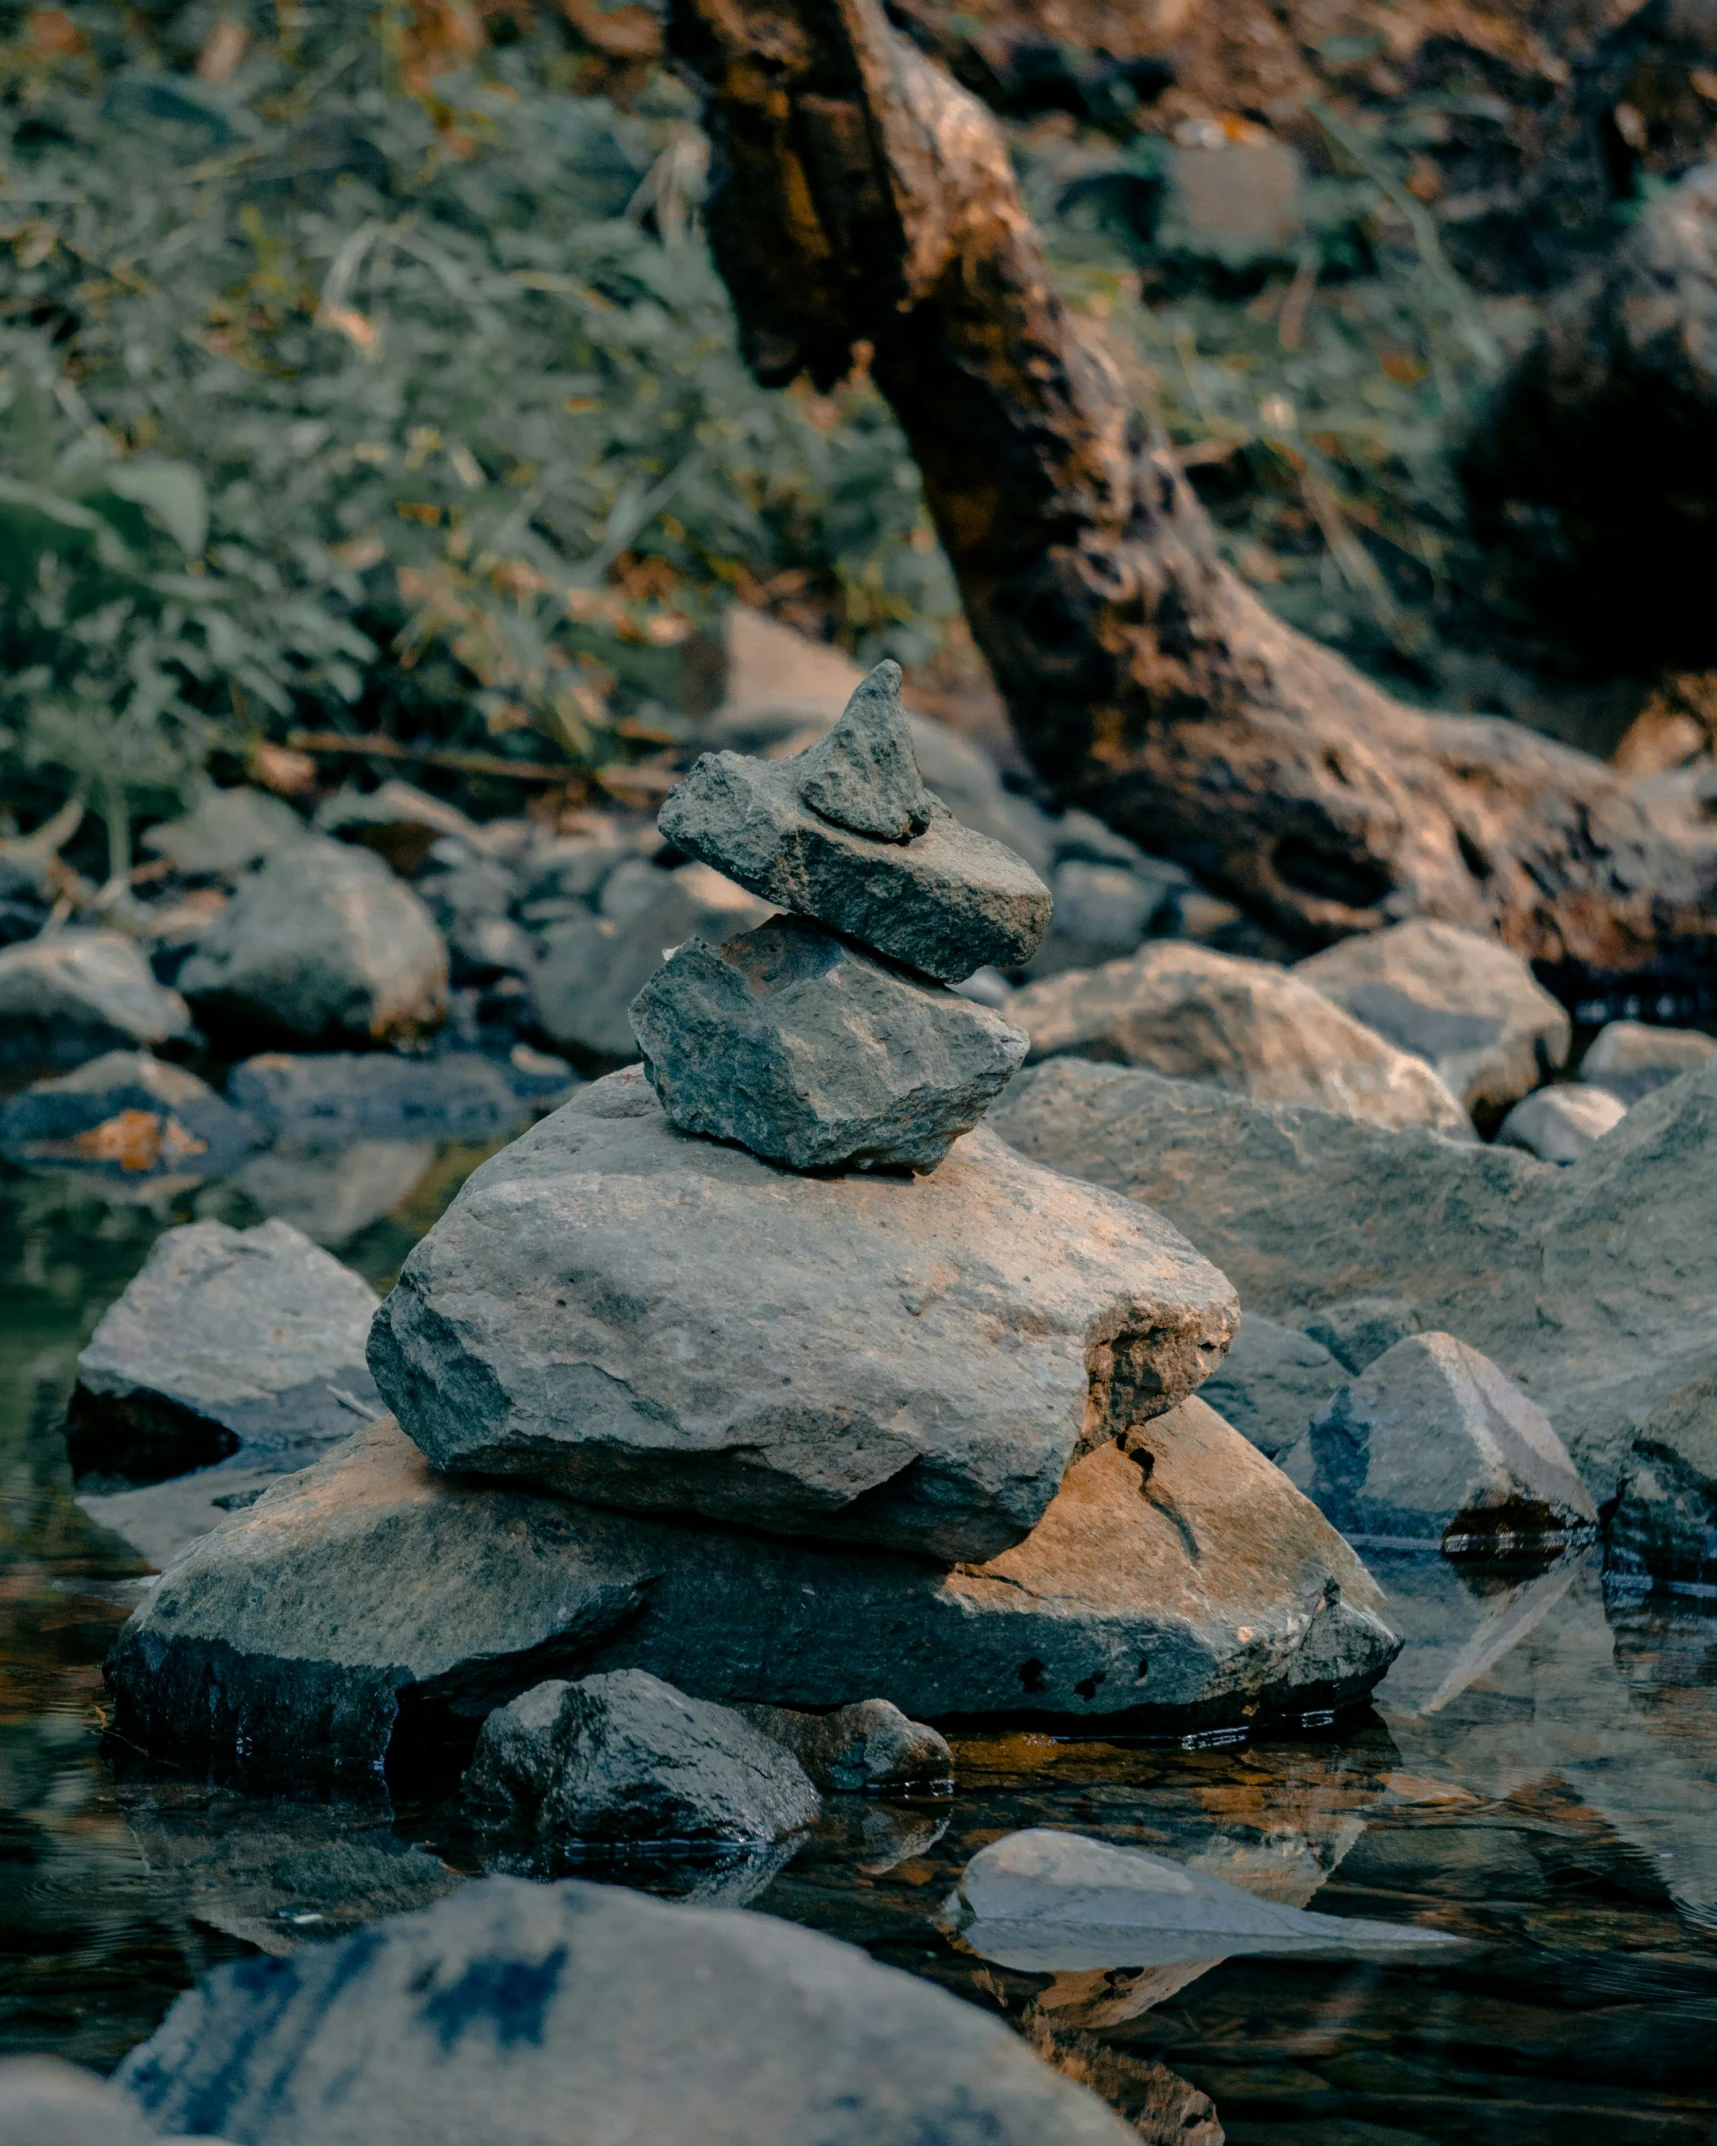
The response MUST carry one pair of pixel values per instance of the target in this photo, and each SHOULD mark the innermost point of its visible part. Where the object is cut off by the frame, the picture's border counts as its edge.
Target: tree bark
(861, 198)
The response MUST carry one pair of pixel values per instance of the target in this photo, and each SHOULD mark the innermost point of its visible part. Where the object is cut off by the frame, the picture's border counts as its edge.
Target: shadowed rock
(1271, 1383)
(81, 993)
(811, 1053)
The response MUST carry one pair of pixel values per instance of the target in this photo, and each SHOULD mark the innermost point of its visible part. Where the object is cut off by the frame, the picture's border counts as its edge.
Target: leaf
(170, 493)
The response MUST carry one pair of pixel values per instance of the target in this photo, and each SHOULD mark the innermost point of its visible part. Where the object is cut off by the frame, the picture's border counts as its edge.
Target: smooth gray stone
(809, 1052)
(1432, 1442)
(1357, 1332)
(361, 1611)
(126, 1111)
(333, 1193)
(81, 993)
(376, 1094)
(945, 902)
(572, 2014)
(1271, 1383)
(226, 831)
(1630, 1060)
(162, 1519)
(321, 942)
(624, 1757)
(1593, 1288)
(863, 775)
(1561, 1124)
(46, 2103)
(1045, 1902)
(865, 1747)
(227, 1338)
(621, 1312)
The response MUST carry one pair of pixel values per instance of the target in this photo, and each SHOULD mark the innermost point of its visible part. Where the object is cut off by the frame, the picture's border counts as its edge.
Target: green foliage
(444, 363)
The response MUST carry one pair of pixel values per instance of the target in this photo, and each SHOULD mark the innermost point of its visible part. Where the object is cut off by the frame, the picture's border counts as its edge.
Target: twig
(455, 763)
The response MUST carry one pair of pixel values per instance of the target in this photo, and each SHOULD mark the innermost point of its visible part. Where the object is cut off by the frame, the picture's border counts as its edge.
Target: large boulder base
(365, 1614)
(80, 993)
(573, 2014)
(619, 1311)
(1193, 1014)
(810, 1052)
(126, 1111)
(1594, 1288)
(226, 1339)
(323, 943)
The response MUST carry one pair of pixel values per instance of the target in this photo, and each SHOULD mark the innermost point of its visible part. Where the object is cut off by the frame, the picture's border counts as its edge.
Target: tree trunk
(861, 197)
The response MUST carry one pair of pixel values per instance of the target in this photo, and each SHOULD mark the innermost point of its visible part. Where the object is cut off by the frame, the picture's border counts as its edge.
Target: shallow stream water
(1538, 1776)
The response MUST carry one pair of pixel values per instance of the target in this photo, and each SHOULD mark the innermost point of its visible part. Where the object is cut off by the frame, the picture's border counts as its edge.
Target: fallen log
(861, 201)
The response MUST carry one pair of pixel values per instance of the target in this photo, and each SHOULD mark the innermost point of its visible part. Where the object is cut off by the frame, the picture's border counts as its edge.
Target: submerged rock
(1271, 1383)
(81, 993)
(1629, 1060)
(345, 1095)
(1467, 1003)
(1433, 1443)
(809, 1052)
(369, 1611)
(128, 1111)
(227, 1338)
(1561, 1124)
(624, 1757)
(623, 1313)
(868, 1746)
(1247, 1025)
(322, 942)
(536, 2014)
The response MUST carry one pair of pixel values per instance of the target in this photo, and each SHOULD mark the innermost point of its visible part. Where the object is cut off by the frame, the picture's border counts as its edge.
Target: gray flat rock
(811, 1053)
(1271, 1383)
(624, 1757)
(361, 1611)
(227, 1338)
(129, 1112)
(1432, 1443)
(1561, 1124)
(81, 993)
(1467, 1003)
(864, 1748)
(619, 1311)
(563, 2015)
(321, 942)
(342, 1095)
(1630, 1060)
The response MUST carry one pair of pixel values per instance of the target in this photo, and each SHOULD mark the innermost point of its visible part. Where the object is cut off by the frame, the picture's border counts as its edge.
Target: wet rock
(623, 1313)
(227, 1338)
(161, 1519)
(809, 1052)
(334, 1193)
(1357, 1332)
(345, 1095)
(46, 2103)
(940, 897)
(869, 1746)
(1468, 1004)
(595, 966)
(79, 994)
(324, 943)
(369, 1611)
(1271, 1383)
(1629, 1060)
(225, 832)
(1044, 1901)
(1193, 1014)
(1664, 1528)
(399, 822)
(625, 1757)
(126, 1111)
(1434, 1444)
(511, 2011)
(1561, 1124)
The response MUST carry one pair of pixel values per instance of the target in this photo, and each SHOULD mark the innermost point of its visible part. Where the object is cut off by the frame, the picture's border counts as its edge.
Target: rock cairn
(828, 1039)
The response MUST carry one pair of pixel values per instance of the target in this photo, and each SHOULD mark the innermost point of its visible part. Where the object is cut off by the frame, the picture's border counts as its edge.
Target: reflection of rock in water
(280, 1875)
(711, 1878)
(333, 1193)
(1163, 2108)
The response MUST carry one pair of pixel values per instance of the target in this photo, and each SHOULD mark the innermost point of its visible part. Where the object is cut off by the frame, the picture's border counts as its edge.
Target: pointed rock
(864, 774)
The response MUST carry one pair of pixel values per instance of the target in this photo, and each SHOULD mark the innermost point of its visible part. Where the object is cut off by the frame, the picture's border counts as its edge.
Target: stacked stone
(828, 1039)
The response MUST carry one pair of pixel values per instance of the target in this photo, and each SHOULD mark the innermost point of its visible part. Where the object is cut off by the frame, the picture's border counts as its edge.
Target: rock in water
(369, 1611)
(1467, 1003)
(1561, 1124)
(341, 1095)
(846, 833)
(868, 1746)
(81, 993)
(625, 1757)
(811, 1053)
(126, 1111)
(1665, 1523)
(227, 1338)
(322, 942)
(572, 2014)
(1433, 1444)
(1193, 1014)
(626, 1314)
(1271, 1383)
(1630, 1060)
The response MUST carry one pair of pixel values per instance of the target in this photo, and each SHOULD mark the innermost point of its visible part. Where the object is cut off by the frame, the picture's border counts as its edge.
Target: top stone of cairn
(848, 834)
